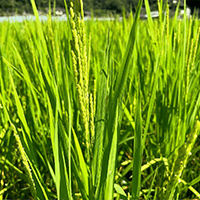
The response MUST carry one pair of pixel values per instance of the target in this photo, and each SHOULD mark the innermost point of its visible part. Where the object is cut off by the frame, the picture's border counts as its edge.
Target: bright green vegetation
(100, 109)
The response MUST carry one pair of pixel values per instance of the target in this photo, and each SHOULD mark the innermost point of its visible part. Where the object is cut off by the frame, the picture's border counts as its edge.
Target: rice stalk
(181, 161)
(80, 61)
(25, 162)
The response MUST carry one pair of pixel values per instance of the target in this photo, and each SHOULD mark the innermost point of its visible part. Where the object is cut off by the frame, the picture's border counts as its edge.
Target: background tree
(20, 6)
(115, 5)
(88, 5)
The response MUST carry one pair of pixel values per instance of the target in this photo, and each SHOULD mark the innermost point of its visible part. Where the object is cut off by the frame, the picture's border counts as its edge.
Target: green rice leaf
(83, 167)
(112, 162)
(119, 190)
(137, 152)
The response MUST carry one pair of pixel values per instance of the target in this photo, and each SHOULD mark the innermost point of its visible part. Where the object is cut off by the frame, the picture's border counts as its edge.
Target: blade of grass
(100, 118)
(83, 167)
(112, 162)
(137, 153)
(120, 85)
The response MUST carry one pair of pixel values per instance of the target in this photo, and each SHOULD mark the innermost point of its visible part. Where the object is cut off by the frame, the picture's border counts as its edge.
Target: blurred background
(98, 8)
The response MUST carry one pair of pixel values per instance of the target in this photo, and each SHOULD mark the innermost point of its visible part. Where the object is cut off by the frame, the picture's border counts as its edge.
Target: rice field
(100, 110)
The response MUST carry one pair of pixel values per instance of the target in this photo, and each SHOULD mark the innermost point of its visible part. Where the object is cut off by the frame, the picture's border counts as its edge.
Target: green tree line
(20, 6)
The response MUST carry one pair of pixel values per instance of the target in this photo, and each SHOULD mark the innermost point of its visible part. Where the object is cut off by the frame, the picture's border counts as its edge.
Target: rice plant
(100, 109)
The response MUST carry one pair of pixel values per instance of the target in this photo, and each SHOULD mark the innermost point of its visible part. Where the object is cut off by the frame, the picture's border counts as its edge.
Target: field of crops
(100, 109)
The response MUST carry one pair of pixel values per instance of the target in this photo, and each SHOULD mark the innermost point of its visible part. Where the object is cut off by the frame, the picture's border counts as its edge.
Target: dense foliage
(20, 6)
(100, 110)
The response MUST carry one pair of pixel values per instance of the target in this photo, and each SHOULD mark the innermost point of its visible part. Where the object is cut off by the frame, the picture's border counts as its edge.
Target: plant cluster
(100, 109)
